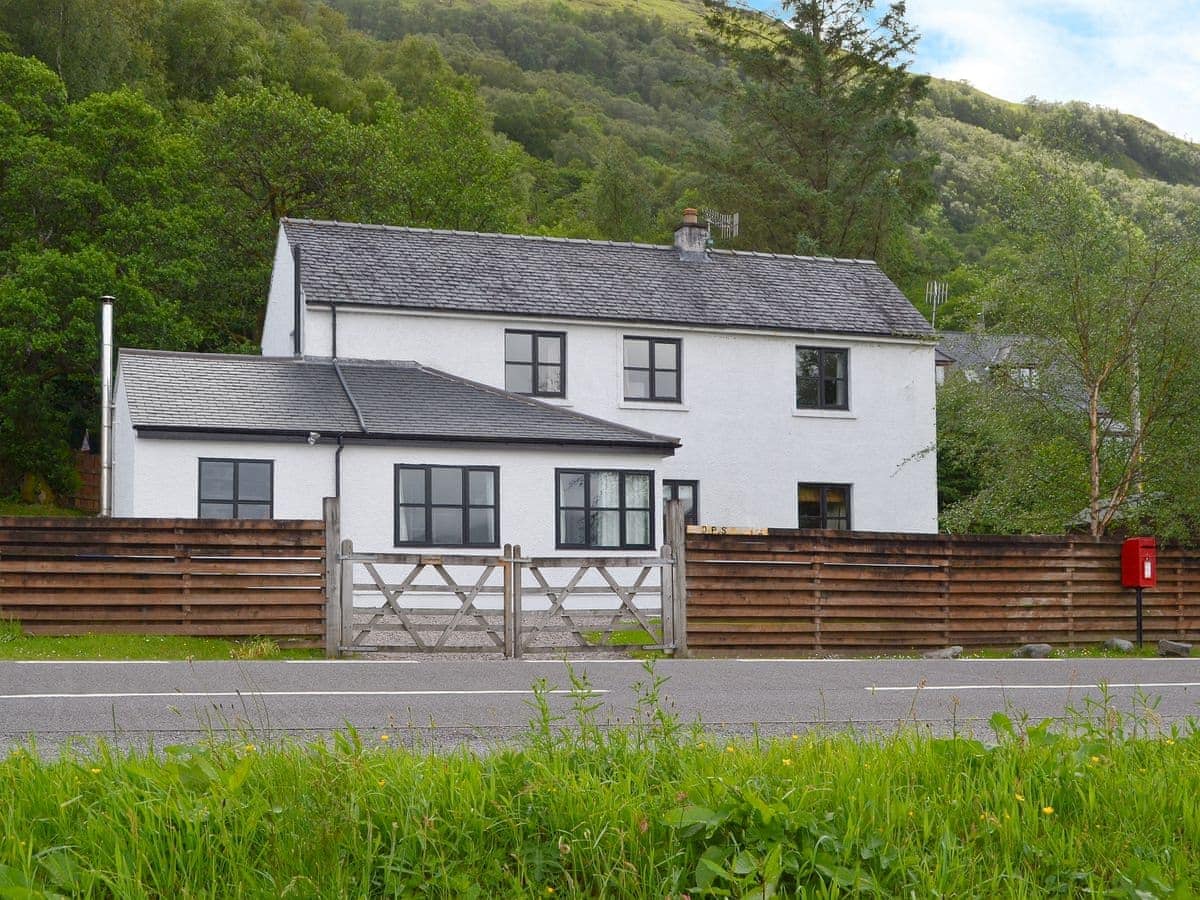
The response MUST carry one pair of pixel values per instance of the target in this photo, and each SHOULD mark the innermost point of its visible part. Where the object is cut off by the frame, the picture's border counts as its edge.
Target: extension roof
(212, 393)
(519, 275)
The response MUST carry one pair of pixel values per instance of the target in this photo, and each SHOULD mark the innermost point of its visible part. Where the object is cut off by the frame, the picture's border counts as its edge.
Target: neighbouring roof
(978, 351)
(462, 271)
(219, 393)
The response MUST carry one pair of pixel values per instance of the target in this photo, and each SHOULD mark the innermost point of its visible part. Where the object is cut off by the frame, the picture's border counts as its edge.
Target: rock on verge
(1119, 644)
(1174, 648)
(944, 653)
(1033, 651)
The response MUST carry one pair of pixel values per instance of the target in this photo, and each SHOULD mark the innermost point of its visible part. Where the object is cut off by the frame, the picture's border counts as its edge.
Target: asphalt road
(442, 703)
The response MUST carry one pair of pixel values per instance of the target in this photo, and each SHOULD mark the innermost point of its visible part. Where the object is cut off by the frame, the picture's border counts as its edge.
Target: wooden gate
(506, 604)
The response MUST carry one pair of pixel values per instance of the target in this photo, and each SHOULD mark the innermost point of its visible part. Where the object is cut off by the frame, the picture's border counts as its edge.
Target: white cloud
(1139, 57)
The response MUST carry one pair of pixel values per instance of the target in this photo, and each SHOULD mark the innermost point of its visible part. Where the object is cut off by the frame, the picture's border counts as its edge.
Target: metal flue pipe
(106, 404)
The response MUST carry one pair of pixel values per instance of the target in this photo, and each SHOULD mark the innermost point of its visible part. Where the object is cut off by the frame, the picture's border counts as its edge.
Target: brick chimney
(691, 238)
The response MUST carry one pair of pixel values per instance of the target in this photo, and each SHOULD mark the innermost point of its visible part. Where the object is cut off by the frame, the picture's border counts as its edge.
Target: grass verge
(14, 644)
(1104, 807)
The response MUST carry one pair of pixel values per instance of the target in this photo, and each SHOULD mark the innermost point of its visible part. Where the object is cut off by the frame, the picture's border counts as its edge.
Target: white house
(464, 389)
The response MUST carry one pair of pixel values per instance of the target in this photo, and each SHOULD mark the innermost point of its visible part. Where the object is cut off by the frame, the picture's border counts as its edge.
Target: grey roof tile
(526, 275)
(209, 392)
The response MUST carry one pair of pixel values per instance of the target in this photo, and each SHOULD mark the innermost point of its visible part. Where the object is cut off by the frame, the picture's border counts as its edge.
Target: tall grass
(1105, 807)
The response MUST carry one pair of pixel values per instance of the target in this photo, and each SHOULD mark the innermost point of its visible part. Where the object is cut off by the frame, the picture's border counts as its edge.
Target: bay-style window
(824, 506)
(535, 363)
(447, 506)
(689, 493)
(604, 509)
(822, 378)
(652, 368)
(237, 488)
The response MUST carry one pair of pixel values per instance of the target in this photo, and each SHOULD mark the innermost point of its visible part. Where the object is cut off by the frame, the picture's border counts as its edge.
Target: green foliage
(822, 154)
(1101, 806)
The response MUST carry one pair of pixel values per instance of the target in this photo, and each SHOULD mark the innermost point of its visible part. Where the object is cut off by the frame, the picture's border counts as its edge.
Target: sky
(1139, 56)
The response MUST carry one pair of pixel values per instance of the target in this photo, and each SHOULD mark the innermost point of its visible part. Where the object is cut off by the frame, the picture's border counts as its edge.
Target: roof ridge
(538, 404)
(555, 239)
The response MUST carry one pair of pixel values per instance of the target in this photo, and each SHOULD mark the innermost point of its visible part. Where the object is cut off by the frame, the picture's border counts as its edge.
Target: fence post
(346, 595)
(666, 577)
(676, 530)
(333, 581)
(517, 594)
(507, 567)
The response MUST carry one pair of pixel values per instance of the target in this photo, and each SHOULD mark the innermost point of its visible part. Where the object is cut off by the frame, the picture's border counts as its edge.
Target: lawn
(1105, 807)
(14, 644)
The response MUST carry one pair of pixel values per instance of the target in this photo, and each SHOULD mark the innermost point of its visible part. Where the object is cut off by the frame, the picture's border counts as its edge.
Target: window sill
(823, 414)
(664, 405)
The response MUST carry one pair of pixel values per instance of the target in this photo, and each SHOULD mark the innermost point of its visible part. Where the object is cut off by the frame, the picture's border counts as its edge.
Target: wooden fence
(165, 576)
(819, 591)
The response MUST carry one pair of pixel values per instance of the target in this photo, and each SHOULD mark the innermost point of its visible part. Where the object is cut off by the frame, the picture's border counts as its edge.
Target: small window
(604, 509)
(652, 369)
(822, 378)
(447, 506)
(535, 363)
(689, 493)
(825, 506)
(237, 488)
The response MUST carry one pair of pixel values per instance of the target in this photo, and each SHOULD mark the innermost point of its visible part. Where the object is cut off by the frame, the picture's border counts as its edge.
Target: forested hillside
(148, 147)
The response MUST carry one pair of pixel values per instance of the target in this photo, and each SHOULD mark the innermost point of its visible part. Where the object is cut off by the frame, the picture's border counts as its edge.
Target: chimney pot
(690, 216)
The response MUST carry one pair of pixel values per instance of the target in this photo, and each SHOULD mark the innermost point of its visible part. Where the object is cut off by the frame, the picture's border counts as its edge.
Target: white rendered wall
(281, 302)
(742, 438)
(167, 475)
(124, 446)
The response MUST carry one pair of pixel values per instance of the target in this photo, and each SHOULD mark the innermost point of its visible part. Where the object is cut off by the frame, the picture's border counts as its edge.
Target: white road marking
(93, 662)
(252, 693)
(1031, 687)
(349, 662)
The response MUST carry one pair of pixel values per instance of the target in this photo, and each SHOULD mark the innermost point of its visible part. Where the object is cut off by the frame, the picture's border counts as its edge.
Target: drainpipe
(333, 313)
(296, 300)
(337, 469)
(106, 404)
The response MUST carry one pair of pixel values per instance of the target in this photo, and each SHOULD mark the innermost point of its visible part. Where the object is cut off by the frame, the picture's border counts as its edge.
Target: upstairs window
(608, 510)
(824, 506)
(447, 506)
(237, 488)
(689, 493)
(534, 363)
(652, 369)
(822, 378)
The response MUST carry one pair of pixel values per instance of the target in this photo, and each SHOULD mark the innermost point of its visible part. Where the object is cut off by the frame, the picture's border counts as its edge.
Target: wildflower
(385, 737)
(549, 890)
(729, 749)
(787, 762)
(1048, 810)
(95, 771)
(1095, 760)
(795, 737)
(1170, 741)
(250, 748)
(910, 813)
(1020, 797)
(382, 782)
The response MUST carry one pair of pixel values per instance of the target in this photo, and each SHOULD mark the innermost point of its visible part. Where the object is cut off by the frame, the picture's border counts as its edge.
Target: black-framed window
(824, 506)
(535, 362)
(604, 509)
(447, 506)
(653, 368)
(822, 378)
(236, 488)
(689, 493)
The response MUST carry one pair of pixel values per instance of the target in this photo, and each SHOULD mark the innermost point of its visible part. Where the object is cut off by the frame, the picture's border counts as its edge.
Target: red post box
(1139, 563)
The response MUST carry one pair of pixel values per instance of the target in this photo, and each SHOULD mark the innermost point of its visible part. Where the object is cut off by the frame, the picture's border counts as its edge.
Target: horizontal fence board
(165, 576)
(821, 592)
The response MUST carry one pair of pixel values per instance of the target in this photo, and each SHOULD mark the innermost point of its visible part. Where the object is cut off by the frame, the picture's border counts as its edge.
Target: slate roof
(219, 393)
(461, 271)
(978, 351)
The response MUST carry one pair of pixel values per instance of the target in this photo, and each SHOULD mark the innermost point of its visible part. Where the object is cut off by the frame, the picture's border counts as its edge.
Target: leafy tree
(621, 195)
(822, 153)
(1117, 305)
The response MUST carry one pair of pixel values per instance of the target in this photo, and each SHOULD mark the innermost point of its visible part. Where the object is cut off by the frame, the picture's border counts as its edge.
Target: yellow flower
(549, 890)
(385, 737)
(1048, 810)
(795, 737)
(382, 782)
(250, 748)
(1020, 797)
(1095, 760)
(729, 749)
(910, 813)
(95, 771)
(787, 762)
(1170, 741)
